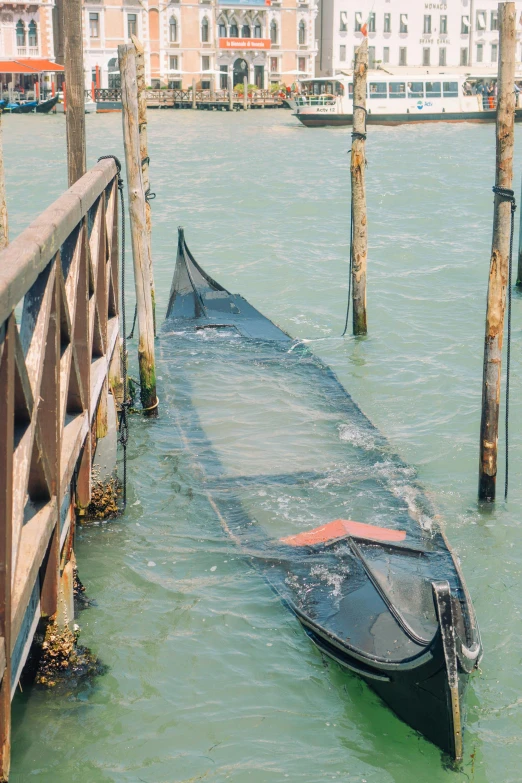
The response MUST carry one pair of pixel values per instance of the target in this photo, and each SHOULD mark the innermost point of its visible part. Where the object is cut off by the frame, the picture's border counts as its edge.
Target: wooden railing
(172, 97)
(60, 276)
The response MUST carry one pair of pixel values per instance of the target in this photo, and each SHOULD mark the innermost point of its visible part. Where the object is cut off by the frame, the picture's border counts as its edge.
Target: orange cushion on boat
(344, 527)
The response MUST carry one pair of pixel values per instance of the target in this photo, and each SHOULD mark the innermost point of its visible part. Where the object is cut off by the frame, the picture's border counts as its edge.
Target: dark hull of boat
(45, 106)
(401, 618)
(23, 108)
(418, 695)
(334, 120)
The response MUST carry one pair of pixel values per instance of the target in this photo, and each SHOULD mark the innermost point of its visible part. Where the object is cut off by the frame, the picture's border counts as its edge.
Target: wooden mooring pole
(74, 78)
(245, 93)
(144, 155)
(230, 94)
(499, 264)
(194, 105)
(138, 220)
(359, 237)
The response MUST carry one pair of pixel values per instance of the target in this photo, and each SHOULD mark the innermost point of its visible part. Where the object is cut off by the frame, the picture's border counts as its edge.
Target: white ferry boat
(393, 100)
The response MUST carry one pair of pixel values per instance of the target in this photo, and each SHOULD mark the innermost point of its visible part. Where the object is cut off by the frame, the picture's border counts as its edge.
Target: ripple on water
(210, 678)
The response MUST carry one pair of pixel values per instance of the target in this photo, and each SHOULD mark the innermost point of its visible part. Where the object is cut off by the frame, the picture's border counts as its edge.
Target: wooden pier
(59, 363)
(110, 100)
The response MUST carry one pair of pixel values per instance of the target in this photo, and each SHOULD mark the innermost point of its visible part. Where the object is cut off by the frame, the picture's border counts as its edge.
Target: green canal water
(209, 677)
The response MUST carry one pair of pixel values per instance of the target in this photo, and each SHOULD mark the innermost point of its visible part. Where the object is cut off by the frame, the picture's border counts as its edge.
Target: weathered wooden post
(144, 154)
(194, 94)
(245, 93)
(138, 219)
(359, 237)
(230, 94)
(75, 117)
(500, 248)
(4, 224)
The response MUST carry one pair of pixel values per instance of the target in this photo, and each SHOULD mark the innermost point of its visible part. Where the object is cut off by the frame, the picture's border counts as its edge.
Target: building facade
(461, 36)
(26, 29)
(268, 41)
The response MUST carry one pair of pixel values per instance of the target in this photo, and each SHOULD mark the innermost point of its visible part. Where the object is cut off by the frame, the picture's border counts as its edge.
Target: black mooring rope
(508, 195)
(356, 134)
(124, 408)
(131, 335)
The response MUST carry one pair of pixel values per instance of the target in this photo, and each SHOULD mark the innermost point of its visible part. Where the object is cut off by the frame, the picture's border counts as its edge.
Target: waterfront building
(403, 34)
(268, 41)
(26, 36)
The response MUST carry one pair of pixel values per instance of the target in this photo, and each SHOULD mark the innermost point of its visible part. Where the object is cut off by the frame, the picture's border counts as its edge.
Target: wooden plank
(7, 372)
(35, 539)
(25, 637)
(100, 367)
(28, 255)
(50, 428)
(35, 322)
(74, 434)
(82, 338)
(101, 264)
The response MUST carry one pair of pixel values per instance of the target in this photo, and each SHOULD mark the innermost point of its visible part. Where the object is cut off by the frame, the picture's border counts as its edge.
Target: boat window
(397, 89)
(433, 90)
(450, 89)
(415, 90)
(377, 89)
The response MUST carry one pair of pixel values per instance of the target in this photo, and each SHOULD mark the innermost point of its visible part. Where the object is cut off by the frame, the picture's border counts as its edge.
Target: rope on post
(508, 195)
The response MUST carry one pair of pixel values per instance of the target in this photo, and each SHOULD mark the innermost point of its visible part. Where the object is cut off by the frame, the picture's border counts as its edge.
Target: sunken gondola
(377, 588)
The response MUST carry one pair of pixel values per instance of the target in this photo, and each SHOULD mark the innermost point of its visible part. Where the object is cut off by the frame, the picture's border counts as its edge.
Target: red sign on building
(244, 43)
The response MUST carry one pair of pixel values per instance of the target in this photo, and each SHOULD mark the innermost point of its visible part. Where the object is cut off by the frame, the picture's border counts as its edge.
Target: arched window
(204, 30)
(273, 31)
(33, 34)
(173, 29)
(258, 33)
(302, 32)
(245, 31)
(20, 33)
(222, 29)
(234, 32)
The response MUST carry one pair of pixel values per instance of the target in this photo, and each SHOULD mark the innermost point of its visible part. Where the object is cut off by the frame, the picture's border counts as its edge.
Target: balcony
(28, 51)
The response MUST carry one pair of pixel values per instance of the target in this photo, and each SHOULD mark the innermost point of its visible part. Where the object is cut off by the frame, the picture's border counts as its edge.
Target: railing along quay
(179, 99)
(56, 368)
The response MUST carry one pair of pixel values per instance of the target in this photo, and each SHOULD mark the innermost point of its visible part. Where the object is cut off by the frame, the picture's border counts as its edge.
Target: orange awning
(29, 65)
